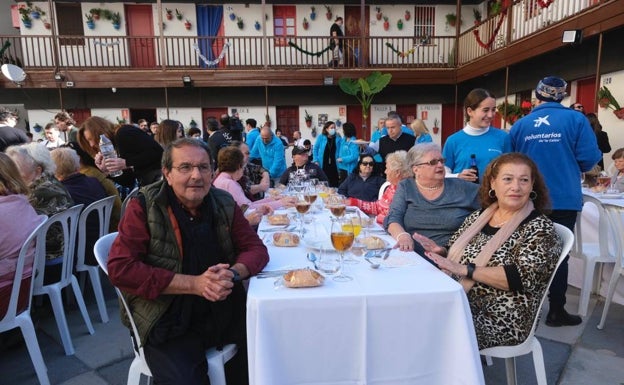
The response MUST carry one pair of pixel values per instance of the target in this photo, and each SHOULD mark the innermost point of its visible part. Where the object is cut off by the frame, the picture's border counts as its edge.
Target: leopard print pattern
(505, 317)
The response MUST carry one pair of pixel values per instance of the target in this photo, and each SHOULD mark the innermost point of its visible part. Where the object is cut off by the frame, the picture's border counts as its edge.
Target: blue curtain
(209, 19)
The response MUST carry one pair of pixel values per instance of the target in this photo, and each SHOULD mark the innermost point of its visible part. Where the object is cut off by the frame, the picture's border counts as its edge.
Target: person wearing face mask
(478, 137)
(325, 150)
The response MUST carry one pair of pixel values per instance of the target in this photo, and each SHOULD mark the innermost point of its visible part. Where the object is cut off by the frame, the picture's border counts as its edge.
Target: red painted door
(141, 36)
(80, 115)
(287, 120)
(407, 112)
(586, 94)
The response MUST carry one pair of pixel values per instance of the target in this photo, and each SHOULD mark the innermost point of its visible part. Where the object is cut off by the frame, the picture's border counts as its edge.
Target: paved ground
(574, 355)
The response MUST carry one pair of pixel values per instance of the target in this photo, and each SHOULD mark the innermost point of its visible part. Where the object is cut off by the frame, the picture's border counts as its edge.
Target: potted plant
(607, 100)
(436, 127)
(407, 15)
(168, 14)
(90, 22)
(26, 20)
(232, 16)
(305, 24)
(308, 119)
(328, 14)
(193, 123)
(107, 14)
(257, 25)
(378, 15)
(400, 24)
(386, 23)
(116, 20)
(451, 19)
(96, 12)
(312, 13)
(179, 15)
(187, 24)
(46, 24)
(364, 89)
(496, 8)
(477, 16)
(36, 13)
(239, 22)
(510, 112)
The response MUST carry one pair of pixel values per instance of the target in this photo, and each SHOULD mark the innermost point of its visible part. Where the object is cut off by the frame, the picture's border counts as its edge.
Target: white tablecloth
(589, 226)
(401, 325)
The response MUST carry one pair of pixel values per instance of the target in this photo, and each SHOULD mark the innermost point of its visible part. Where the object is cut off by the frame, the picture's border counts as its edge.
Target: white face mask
(331, 131)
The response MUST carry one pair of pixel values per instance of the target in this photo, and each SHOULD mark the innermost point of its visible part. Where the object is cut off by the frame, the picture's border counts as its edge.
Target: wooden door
(79, 115)
(287, 120)
(586, 94)
(356, 54)
(407, 112)
(354, 115)
(141, 36)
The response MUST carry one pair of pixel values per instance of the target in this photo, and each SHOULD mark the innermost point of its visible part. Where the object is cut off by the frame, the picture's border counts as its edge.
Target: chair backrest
(383, 188)
(616, 218)
(101, 250)
(38, 237)
(68, 220)
(132, 194)
(104, 208)
(567, 239)
(605, 231)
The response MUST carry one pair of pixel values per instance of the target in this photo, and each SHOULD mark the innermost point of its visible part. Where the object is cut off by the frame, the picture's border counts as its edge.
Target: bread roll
(284, 239)
(374, 243)
(278, 219)
(303, 278)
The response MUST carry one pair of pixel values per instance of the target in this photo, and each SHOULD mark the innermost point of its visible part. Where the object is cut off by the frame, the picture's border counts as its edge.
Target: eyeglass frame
(203, 168)
(370, 164)
(432, 162)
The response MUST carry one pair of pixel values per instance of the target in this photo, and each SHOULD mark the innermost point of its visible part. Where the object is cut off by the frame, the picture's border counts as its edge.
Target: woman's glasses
(432, 162)
(369, 164)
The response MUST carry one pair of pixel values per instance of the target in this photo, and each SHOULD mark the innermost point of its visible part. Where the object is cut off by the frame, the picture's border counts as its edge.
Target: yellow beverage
(342, 241)
(352, 227)
(323, 194)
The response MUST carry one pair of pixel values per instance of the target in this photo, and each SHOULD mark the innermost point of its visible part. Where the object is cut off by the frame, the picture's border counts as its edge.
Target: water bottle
(108, 152)
(473, 166)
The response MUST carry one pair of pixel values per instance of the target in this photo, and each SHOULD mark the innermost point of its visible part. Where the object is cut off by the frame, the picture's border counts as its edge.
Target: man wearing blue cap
(562, 143)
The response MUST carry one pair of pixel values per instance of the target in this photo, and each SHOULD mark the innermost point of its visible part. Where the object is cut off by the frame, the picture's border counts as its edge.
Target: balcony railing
(524, 18)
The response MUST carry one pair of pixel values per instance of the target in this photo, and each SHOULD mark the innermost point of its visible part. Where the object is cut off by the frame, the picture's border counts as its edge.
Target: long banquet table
(404, 323)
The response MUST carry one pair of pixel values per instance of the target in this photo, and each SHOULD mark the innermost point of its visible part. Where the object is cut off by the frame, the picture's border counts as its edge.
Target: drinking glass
(337, 205)
(604, 180)
(329, 260)
(342, 240)
(353, 223)
(302, 205)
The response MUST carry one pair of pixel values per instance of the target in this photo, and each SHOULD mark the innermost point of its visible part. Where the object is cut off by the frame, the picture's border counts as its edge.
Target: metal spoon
(312, 258)
(369, 254)
(373, 264)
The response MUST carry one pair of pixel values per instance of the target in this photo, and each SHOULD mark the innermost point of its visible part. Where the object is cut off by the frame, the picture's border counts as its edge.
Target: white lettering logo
(540, 120)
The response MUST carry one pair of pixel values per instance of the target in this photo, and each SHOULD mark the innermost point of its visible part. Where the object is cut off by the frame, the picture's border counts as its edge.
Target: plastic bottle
(108, 152)
(473, 166)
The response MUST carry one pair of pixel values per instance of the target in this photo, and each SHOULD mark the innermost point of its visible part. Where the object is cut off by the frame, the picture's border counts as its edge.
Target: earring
(532, 195)
(492, 193)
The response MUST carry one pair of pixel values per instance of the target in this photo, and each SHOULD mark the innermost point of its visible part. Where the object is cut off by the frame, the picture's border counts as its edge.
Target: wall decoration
(257, 25)
(312, 13)
(116, 20)
(216, 61)
(168, 14)
(96, 12)
(90, 22)
(607, 100)
(386, 23)
(179, 15)
(328, 13)
(407, 15)
(240, 23)
(378, 15)
(400, 24)
(306, 25)
(187, 24)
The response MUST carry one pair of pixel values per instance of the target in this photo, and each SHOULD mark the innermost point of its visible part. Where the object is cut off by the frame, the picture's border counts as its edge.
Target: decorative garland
(498, 26)
(545, 3)
(215, 61)
(317, 54)
(401, 54)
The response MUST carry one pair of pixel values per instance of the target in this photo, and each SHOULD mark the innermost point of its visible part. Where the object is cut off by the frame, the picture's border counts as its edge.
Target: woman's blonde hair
(67, 162)
(397, 161)
(419, 127)
(11, 181)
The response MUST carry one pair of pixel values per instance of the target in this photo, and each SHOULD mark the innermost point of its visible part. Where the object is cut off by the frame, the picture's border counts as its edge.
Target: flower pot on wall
(400, 24)
(116, 25)
(408, 15)
(47, 25)
(232, 16)
(35, 15)
(187, 25)
(619, 113)
(90, 24)
(386, 24)
(257, 26)
(308, 123)
(27, 23)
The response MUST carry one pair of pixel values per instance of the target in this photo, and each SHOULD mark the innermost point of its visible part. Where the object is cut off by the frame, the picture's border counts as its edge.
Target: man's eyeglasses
(432, 162)
(370, 164)
(187, 168)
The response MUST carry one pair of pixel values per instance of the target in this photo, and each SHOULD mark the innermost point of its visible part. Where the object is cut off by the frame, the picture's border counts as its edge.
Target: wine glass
(353, 223)
(337, 205)
(310, 193)
(342, 239)
(302, 205)
(604, 180)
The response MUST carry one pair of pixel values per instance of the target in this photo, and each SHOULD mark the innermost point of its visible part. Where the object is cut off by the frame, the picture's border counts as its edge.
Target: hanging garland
(545, 3)
(498, 26)
(215, 61)
(401, 54)
(317, 54)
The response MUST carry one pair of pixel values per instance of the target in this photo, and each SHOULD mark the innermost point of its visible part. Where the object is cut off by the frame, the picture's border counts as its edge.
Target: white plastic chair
(383, 188)
(531, 344)
(131, 194)
(11, 319)
(616, 218)
(68, 219)
(104, 208)
(216, 359)
(592, 253)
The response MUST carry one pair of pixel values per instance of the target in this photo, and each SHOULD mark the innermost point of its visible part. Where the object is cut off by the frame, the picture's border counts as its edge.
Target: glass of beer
(342, 240)
(302, 205)
(337, 205)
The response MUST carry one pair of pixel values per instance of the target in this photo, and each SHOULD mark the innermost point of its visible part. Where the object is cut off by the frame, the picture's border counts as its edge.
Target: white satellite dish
(13, 73)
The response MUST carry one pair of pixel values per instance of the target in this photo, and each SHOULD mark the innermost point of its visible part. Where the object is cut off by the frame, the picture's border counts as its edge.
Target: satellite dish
(13, 73)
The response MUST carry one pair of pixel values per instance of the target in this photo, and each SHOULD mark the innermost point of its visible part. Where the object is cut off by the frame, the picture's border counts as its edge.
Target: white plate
(317, 243)
(611, 196)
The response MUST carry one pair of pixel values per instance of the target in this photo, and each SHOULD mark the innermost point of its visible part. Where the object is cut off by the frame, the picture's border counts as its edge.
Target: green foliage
(364, 89)
(606, 99)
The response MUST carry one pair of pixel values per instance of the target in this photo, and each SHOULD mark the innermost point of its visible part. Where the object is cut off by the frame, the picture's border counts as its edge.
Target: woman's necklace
(430, 188)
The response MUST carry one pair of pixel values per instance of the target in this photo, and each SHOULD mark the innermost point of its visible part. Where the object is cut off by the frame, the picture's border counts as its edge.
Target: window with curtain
(424, 24)
(284, 23)
(70, 23)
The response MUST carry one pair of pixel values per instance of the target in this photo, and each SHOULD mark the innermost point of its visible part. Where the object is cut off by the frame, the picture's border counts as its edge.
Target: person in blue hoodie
(562, 143)
(270, 150)
(348, 152)
(325, 152)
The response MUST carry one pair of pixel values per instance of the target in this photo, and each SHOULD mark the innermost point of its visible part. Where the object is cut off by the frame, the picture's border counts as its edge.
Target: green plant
(178, 14)
(477, 14)
(606, 99)
(107, 14)
(364, 89)
(510, 112)
(308, 117)
(496, 8)
(95, 11)
(451, 19)
(116, 18)
(89, 17)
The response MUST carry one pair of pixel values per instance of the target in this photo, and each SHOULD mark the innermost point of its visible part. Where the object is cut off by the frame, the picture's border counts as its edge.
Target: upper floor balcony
(225, 59)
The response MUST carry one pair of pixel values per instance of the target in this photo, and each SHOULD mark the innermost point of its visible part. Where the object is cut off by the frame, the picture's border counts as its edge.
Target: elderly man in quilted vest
(183, 249)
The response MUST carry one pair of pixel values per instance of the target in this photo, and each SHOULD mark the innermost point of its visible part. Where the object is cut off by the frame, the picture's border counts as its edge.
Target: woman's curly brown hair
(541, 201)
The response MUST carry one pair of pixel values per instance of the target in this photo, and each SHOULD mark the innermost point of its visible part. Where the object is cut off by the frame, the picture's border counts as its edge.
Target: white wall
(613, 126)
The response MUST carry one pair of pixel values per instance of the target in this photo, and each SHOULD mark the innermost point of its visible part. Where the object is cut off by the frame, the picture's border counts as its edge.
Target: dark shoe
(561, 317)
